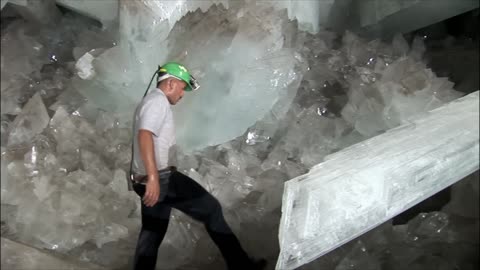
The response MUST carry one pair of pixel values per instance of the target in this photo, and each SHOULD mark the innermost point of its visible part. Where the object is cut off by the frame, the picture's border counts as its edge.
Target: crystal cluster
(274, 102)
(63, 174)
(239, 62)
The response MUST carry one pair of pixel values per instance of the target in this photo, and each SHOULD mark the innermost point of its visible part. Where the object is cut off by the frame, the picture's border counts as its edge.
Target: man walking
(161, 187)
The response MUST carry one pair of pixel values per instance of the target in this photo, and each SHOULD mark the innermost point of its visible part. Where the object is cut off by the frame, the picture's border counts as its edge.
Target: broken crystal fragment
(84, 67)
(254, 138)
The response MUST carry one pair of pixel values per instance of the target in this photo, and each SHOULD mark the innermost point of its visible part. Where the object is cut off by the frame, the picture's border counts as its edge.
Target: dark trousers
(183, 193)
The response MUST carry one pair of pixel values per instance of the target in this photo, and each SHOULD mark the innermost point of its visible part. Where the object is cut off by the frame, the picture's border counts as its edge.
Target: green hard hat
(178, 71)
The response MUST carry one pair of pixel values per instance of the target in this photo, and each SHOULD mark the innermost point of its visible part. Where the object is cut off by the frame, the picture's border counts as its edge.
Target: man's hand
(152, 192)
(150, 198)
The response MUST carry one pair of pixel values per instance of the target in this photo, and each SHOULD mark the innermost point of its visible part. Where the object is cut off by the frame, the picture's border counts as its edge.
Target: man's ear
(171, 83)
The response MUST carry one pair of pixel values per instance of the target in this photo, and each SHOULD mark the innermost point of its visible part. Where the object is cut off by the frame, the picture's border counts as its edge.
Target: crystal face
(32, 120)
(352, 191)
(275, 101)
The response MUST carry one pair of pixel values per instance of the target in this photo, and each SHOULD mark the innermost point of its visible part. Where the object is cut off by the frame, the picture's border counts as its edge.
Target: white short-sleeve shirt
(154, 114)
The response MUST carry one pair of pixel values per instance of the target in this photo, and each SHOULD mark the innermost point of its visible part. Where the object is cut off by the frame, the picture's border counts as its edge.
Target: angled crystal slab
(42, 12)
(106, 11)
(311, 15)
(3, 3)
(362, 186)
(380, 18)
(249, 57)
(19, 256)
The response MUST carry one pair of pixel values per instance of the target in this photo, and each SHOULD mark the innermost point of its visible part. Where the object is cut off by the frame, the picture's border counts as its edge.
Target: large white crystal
(31, 121)
(172, 11)
(240, 62)
(106, 11)
(42, 12)
(21, 54)
(380, 18)
(387, 92)
(84, 67)
(67, 190)
(19, 256)
(311, 15)
(3, 3)
(366, 184)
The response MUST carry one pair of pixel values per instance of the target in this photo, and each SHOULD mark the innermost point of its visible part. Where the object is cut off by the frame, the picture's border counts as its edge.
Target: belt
(141, 178)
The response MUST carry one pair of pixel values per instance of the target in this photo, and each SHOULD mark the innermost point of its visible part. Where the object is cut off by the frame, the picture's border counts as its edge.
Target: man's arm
(147, 153)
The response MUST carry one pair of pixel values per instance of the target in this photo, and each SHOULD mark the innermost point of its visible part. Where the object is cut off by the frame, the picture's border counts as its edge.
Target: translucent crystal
(104, 11)
(254, 138)
(16, 254)
(248, 53)
(111, 232)
(37, 11)
(307, 95)
(31, 121)
(372, 192)
(84, 67)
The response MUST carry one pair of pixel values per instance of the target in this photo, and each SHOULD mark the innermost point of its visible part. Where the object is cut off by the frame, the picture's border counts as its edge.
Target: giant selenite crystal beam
(106, 11)
(366, 184)
(385, 18)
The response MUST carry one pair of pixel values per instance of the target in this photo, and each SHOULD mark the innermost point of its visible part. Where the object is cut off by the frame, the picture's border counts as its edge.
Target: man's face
(177, 90)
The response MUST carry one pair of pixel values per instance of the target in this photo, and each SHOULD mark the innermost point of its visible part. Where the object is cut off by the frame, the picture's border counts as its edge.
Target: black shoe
(259, 264)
